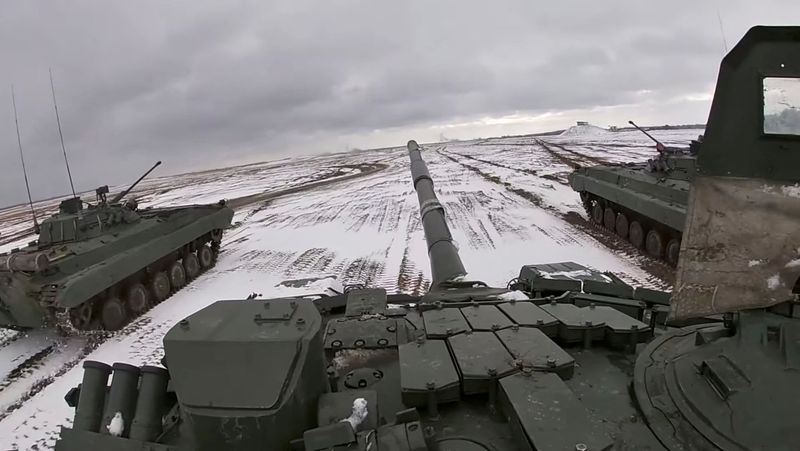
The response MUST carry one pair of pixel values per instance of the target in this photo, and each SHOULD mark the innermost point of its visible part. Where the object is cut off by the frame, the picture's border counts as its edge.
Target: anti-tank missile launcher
(470, 367)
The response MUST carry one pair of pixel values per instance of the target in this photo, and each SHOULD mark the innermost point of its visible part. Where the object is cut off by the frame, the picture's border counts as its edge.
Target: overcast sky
(203, 84)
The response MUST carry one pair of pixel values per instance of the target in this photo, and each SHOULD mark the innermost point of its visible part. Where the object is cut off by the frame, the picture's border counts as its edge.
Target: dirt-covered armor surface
(96, 266)
(566, 358)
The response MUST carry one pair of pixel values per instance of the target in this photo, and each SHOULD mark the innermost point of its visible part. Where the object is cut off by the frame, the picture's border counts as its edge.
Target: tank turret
(576, 360)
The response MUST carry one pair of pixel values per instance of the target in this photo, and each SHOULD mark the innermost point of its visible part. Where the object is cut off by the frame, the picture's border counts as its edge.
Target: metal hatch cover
(206, 348)
(361, 333)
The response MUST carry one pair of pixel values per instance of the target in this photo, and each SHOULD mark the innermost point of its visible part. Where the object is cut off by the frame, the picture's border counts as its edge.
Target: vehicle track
(569, 157)
(493, 163)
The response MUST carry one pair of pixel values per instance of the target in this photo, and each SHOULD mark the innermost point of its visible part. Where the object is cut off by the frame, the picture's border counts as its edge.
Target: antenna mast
(61, 135)
(722, 30)
(22, 158)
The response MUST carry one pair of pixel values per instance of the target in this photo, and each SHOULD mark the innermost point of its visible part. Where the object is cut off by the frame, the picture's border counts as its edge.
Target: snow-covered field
(507, 203)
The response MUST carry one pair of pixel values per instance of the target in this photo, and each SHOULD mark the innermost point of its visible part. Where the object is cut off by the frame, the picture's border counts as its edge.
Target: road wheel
(159, 286)
(137, 299)
(654, 244)
(673, 251)
(81, 316)
(609, 218)
(636, 234)
(191, 266)
(177, 276)
(597, 213)
(205, 256)
(622, 226)
(113, 314)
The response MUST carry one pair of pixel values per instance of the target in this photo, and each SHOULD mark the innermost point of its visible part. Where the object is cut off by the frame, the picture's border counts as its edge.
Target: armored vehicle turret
(98, 265)
(578, 361)
(644, 203)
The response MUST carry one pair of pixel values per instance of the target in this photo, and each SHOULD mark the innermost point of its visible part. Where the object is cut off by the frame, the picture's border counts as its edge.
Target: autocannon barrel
(119, 196)
(445, 263)
(24, 262)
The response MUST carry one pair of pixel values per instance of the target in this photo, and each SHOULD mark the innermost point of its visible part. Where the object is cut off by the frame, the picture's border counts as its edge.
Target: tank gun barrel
(445, 263)
(119, 196)
(25, 262)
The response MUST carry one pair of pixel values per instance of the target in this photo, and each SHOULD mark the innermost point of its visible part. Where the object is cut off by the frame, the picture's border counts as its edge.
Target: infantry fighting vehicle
(578, 362)
(96, 266)
(644, 203)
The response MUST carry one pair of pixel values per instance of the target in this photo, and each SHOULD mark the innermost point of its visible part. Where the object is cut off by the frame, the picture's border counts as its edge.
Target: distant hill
(584, 130)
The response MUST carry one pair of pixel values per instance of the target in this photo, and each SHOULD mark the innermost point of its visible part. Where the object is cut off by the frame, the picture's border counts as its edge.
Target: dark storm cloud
(199, 84)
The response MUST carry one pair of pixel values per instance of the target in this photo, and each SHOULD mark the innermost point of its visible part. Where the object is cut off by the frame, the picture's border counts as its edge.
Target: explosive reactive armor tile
(576, 322)
(481, 357)
(485, 317)
(537, 351)
(426, 367)
(528, 314)
(443, 322)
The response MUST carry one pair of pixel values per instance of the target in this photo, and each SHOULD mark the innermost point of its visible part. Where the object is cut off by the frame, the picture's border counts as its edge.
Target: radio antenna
(22, 158)
(721, 29)
(61, 135)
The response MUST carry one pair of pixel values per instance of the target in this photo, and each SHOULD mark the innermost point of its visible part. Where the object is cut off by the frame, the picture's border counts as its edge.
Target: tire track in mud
(499, 165)
(410, 279)
(663, 275)
(588, 160)
(570, 162)
(92, 341)
(243, 201)
(660, 275)
(531, 197)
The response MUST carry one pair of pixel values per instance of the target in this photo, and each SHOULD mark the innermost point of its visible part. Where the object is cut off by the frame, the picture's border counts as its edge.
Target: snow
(787, 190)
(753, 263)
(794, 263)
(117, 425)
(576, 274)
(362, 230)
(774, 282)
(513, 296)
(359, 413)
(791, 190)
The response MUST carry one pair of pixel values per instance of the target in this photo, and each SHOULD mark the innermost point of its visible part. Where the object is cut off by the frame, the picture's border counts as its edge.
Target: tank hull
(105, 266)
(616, 197)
